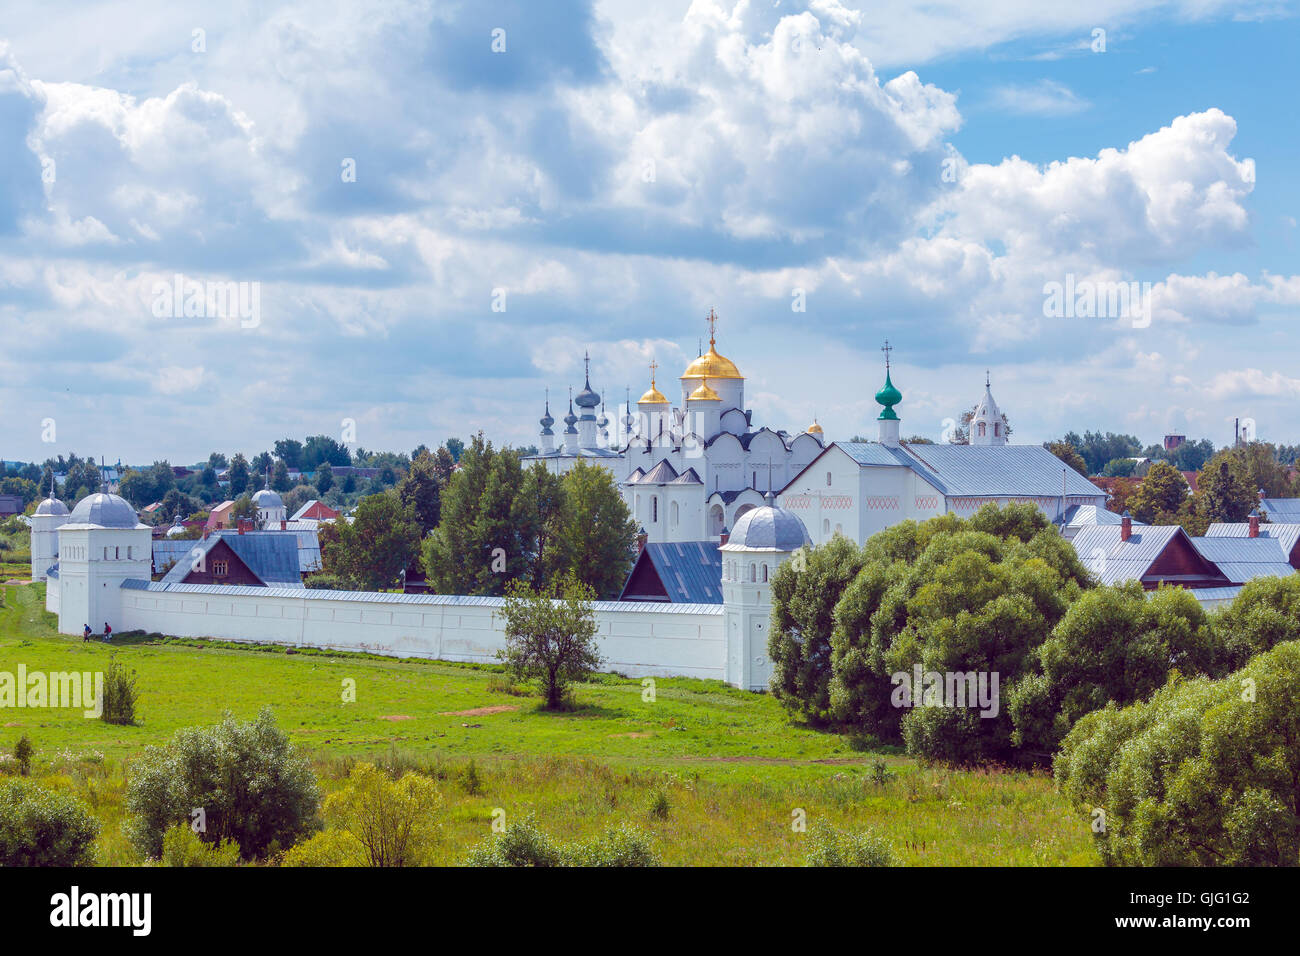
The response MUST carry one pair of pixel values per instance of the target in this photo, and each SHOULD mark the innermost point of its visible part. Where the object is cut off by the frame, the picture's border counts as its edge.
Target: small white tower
(987, 426)
(50, 515)
(270, 509)
(763, 539)
(587, 400)
(101, 545)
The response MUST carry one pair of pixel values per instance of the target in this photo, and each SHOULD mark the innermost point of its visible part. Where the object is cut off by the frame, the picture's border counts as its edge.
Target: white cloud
(1044, 98)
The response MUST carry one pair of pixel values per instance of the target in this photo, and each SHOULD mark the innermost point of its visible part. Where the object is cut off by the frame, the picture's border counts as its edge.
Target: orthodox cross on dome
(887, 348)
(653, 367)
(986, 378)
(713, 323)
(586, 361)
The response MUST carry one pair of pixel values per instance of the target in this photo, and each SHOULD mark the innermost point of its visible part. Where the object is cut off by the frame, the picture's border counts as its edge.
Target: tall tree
(289, 451)
(550, 635)
(1226, 489)
(597, 532)
(373, 550)
(539, 518)
(1068, 454)
(238, 475)
(421, 490)
(1162, 492)
(324, 477)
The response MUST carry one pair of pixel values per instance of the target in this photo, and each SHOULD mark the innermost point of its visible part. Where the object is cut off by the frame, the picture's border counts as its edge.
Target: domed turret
(52, 507)
(986, 425)
(104, 510)
(768, 528)
(704, 394)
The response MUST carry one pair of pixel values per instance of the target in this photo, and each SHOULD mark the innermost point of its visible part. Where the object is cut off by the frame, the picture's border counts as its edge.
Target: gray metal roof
(1241, 559)
(271, 555)
(660, 474)
(989, 471)
(1281, 510)
(1285, 534)
(1081, 516)
(688, 477)
(691, 571)
(768, 529)
(51, 506)
(375, 597)
(1214, 594)
(1112, 560)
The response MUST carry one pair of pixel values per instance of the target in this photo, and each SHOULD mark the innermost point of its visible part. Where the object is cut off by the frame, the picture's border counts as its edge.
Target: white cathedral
(687, 472)
(690, 472)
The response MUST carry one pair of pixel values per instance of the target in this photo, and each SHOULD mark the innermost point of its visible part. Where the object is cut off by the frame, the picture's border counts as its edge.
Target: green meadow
(737, 774)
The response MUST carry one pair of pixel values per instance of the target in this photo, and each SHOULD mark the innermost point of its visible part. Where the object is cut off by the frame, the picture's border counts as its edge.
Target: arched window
(638, 505)
(765, 574)
(753, 572)
(997, 429)
(981, 429)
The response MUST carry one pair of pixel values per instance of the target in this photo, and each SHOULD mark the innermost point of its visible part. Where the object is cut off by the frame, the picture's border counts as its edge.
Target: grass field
(733, 767)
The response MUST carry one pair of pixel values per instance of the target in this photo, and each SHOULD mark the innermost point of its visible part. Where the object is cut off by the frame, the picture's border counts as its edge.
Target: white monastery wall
(636, 639)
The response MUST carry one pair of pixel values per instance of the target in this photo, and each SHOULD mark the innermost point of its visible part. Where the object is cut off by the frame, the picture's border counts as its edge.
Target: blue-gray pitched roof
(271, 555)
(1282, 510)
(1285, 534)
(691, 571)
(1241, 559)
(1112, 560)
(987, 471)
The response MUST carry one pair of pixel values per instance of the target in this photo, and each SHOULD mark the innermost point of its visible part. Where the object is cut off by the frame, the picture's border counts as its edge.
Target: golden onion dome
(814, 428)
(652, 397)
(704, 394)
(712, 365)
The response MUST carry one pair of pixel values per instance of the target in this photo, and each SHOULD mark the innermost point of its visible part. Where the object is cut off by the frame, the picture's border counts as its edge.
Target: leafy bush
(327, 848)
(44, 828)
(1202, 774)
(834, 847)
(1266, 613)
(182, 847)
(253, 786)
(659, 805)
(23, 751)
(621, 845)
(120, 694)
(395, 823)
(524, 844)
(1114, 644)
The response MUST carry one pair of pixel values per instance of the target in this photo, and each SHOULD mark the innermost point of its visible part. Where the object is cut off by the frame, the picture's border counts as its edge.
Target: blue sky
(915, 172)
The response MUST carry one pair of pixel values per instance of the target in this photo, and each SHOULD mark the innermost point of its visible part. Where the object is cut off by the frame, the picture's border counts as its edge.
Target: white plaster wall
(640, 640)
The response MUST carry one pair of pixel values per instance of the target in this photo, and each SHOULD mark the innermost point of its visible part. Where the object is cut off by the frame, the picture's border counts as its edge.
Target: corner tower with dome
(764, 539)
(101, 545)
(50, 515)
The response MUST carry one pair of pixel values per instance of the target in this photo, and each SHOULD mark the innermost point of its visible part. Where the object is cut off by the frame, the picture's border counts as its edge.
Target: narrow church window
(654, 508)
(828, 479)
(753, 573)
(765, 574)
(117, 554)
(997, 429)
(981, 429)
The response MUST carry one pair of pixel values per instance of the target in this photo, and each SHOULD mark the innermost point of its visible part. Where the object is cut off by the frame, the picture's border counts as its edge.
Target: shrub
(522, 843)
(622, 845)
(44, 828)
(550, 635)
(659, 805)
(395, 823)
(471, 780)
(23, 751)
(1266, 613)
(119, 694)
(833, 847)
(182, 847)
(327, 848)
(1202, 774)
(253, 786)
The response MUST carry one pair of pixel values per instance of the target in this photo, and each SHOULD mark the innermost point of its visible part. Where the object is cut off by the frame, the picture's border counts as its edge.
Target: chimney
(1254, 523)
(641, 538)
(724, 537)
(1125, 527)
(284, 525)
